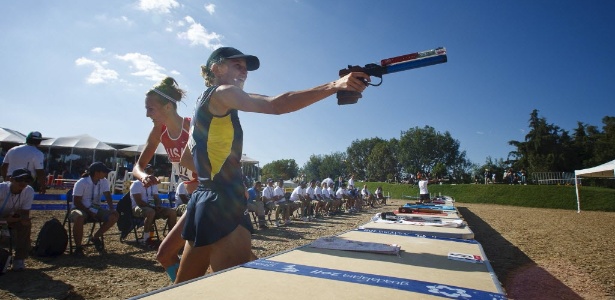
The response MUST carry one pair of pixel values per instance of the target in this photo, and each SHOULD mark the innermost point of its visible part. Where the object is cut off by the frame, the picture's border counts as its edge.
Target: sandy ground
(536, 254)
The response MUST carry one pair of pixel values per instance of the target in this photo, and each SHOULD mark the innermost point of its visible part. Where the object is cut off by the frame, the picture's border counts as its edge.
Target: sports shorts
(213, 213)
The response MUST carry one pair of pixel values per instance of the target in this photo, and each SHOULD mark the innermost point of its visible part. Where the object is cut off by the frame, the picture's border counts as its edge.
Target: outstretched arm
(229, 97)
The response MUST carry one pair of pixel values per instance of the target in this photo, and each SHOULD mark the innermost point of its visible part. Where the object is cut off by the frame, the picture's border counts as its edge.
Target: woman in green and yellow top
(218, 228)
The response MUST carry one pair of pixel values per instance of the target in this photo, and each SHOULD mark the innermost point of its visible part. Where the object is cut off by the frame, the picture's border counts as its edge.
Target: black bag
(52, 239)
(5, 260)
(124, 223)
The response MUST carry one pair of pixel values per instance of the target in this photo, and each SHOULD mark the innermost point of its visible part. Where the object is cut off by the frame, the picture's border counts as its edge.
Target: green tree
(283, 168)
(421, 149)
(382, 164)
(357, 156)
(333, 165)
(604, 150)
(311, 169)
(546, 148)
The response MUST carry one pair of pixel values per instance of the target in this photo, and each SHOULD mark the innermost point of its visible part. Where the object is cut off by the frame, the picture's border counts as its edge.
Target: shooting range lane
(457, 233)
(426, 267)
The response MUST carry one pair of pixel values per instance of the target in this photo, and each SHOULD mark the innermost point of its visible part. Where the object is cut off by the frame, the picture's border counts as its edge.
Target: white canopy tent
(11, 136)
(606, 170)
(83, 141)
(137, 149)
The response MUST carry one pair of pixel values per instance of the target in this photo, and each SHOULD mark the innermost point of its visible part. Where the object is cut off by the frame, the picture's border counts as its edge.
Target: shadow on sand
(521, 277)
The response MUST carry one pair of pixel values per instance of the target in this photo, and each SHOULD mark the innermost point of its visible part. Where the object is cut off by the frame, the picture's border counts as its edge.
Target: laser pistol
(391, 65)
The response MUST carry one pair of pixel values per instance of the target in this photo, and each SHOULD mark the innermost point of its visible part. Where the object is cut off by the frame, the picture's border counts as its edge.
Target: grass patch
(541, 196)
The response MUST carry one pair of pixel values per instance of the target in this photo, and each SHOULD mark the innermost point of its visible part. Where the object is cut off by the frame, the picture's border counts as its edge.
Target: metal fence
(559, 178)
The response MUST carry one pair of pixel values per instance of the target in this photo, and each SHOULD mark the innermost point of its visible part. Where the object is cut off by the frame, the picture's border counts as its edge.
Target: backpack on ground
(6, 259)
(124, 223)
(52, 239)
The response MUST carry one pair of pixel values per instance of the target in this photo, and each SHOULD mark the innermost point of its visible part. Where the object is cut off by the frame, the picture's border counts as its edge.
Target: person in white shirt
(86, 206)
(342, 194)
(16, 198)
(281, 203)
(326, 197)
(27, 157)
(146, 204)
(181, 198)
(268, 197)
(336, 203)
(380, 195)
(320, 202)
(310, 200)
(298, 199)
(423, 191)
(367, 196)
(351, 181)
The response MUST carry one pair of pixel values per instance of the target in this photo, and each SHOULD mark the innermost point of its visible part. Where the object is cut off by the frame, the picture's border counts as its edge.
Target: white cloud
(123, 20)
(480, 132)
(161, 6)
(100, 73)
(175, 73)
(198, 35)
(210, 8)
(143, 66)
(98, 50)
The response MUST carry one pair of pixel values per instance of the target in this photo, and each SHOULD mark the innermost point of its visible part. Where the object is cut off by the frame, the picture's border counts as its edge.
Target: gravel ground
(536, 254)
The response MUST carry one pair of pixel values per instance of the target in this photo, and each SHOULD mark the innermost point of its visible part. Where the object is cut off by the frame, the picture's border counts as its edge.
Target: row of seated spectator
(308, 201)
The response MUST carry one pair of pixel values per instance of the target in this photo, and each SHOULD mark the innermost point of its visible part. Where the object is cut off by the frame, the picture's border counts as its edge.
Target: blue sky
(75, 67)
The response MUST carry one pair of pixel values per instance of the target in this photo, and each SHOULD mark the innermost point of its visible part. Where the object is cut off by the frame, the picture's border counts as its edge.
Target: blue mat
(430, 206)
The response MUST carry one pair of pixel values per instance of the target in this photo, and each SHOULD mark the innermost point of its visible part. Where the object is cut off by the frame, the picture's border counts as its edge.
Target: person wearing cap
(87, 194)
(216, 144)
(29, 157)
(16, 197)
(146, 204)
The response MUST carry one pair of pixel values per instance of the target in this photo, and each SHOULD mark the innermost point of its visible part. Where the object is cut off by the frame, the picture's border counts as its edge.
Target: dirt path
(536, 254)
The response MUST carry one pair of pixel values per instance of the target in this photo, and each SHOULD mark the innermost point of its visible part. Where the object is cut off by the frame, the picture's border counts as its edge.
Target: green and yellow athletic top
(216, 144)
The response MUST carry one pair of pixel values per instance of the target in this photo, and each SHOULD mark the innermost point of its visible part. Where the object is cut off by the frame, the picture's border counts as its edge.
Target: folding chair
(67, 220)
(127, 222)
(6, 255)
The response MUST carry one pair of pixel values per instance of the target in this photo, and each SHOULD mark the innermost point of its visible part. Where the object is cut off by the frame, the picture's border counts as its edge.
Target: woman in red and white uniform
(172, 131)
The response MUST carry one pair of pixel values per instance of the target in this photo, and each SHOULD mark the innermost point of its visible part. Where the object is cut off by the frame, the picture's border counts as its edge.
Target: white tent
(11, 136)
(137, 149)
(83, 141)
(248, 160)
(606, 170)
